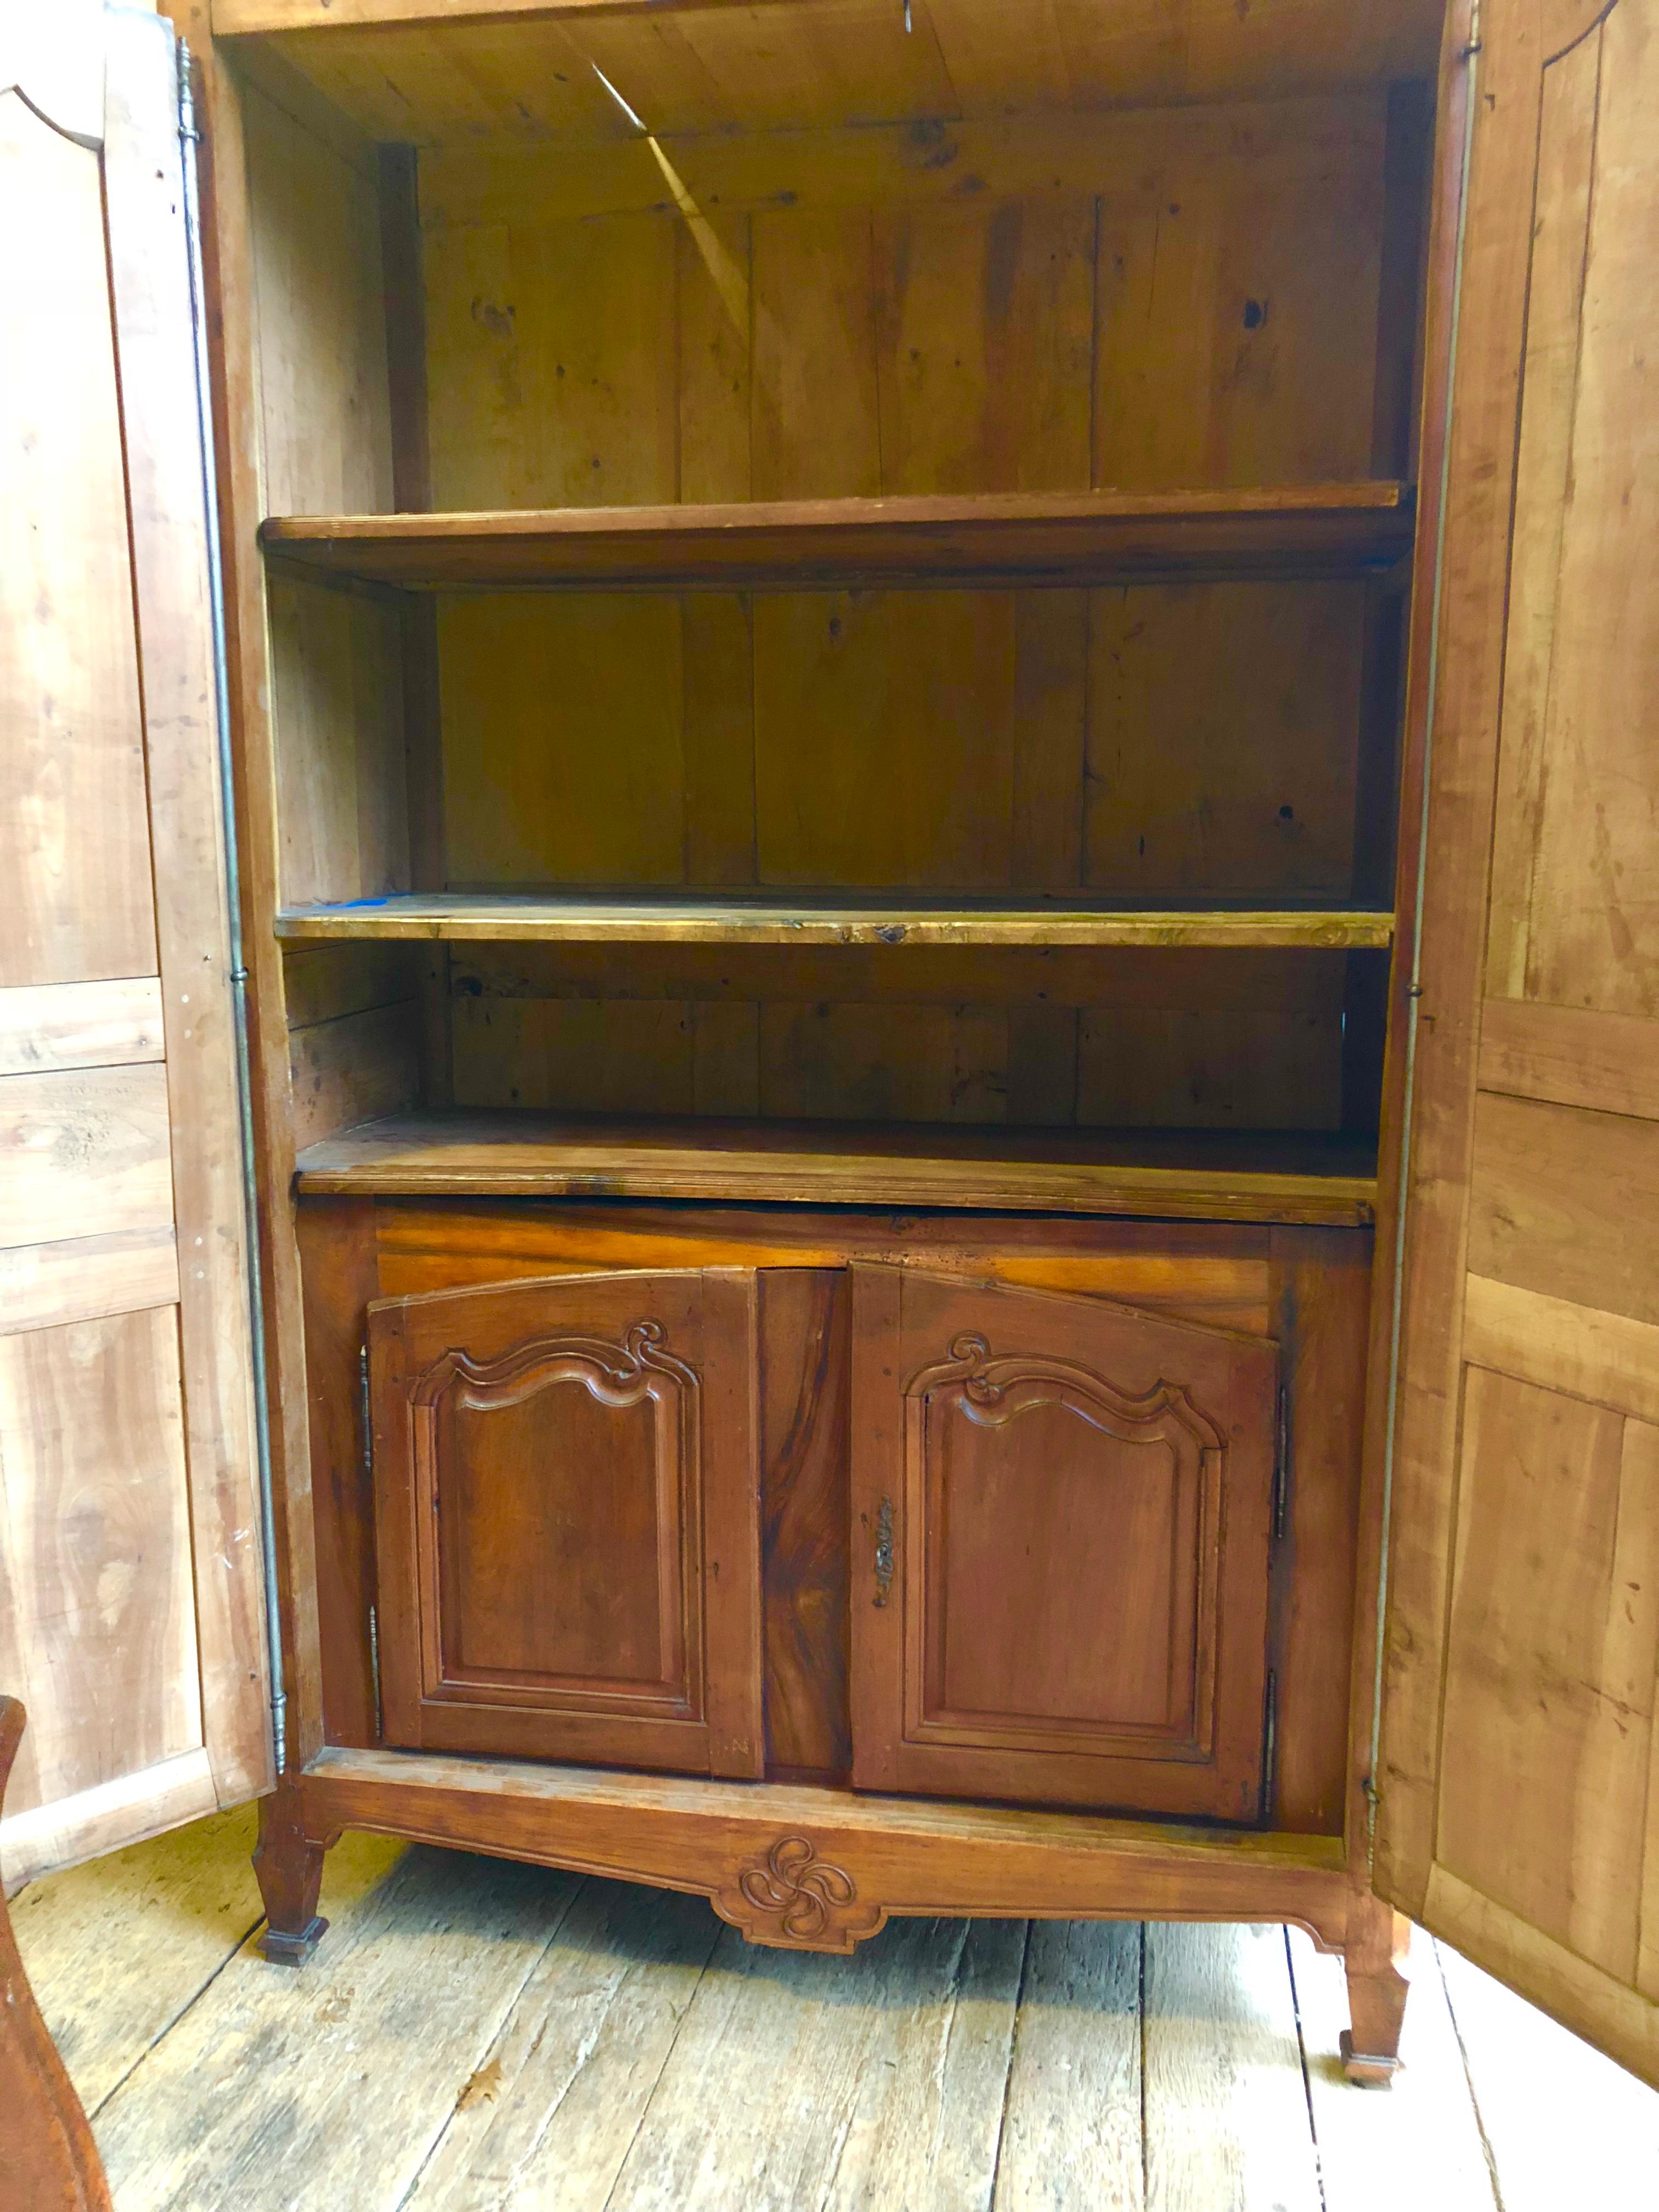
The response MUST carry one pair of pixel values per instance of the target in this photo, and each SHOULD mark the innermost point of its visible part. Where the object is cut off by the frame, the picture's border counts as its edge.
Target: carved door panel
(1062, 1518)
(567, 1510)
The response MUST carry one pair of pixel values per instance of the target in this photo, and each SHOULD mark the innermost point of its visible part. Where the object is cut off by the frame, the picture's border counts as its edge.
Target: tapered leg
(289, 1870)
(1377, 1941)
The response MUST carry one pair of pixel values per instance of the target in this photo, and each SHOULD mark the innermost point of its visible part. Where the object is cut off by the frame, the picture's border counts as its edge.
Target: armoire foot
(1377, 1942)
(289, 1868)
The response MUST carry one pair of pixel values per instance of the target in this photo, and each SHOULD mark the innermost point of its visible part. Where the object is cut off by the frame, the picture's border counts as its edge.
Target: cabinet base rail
(822, 1869)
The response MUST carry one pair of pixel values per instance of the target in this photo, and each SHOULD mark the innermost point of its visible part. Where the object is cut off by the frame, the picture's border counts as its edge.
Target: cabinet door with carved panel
(1061, 1518)
(566, 1504)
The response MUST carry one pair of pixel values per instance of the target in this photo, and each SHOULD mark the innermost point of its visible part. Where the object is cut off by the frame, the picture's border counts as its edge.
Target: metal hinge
(1270, 1745)
(375, 1668)
(366, 1408)
(1281, 1466)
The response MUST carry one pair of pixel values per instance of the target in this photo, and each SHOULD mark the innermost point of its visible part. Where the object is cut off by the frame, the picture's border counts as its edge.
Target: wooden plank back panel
(1148, 1040)
(1099, 742)
(1188, 297)
(1522, 1701)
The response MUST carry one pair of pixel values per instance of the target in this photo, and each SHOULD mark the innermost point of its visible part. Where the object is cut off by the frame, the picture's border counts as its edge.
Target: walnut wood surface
(805, 1343)
(1238, 1178)
(808, 918)
(900, 1854)
(1102, 537)
(48, 2160)
(1061, 1522)
(566, 1519)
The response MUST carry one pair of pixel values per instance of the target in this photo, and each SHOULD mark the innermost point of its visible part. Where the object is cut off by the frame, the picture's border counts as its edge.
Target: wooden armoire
(944, 896)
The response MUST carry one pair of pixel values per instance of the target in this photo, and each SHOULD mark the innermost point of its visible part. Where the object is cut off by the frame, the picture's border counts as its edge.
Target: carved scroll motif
(797, 1900)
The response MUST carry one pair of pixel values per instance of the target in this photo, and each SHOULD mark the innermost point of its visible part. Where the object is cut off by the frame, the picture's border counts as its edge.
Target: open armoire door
(132, 1606)
(1518, 1783)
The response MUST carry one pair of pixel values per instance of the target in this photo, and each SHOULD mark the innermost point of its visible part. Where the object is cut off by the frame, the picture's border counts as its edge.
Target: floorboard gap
(1307, 2085)
(725, 1935)
(1487, 2151)
(484, 2048)
(1013, 2047)
(198, 1992)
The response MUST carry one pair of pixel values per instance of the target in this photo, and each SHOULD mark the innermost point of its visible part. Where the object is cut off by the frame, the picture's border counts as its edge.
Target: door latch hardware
(884, 1551)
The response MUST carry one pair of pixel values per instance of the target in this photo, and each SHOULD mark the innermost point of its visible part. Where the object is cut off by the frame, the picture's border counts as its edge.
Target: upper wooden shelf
(1014, 538)
(805, 918)
(1201, 1175)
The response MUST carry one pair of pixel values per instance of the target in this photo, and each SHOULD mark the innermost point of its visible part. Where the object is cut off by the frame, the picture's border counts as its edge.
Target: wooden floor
(475, 2036)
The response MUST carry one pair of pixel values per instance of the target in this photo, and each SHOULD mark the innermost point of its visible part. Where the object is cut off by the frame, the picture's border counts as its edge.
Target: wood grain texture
(72, 804)
(336, 1243)
(1570, 1055)
(1230, 1178)
(478, 1961)
(86, 1278)
(149, 1800)
(805, 1324)
(560, 2095)
(150, 287)
(1025, 1467)
(314, 241)
(1321, 1287)
(809, 919)
(715, 68)
(108, 2000)
(239, 398)
(566, 1493)
(1465, 709)
(97, 1611)
(47, 1027)
(1251, 2148)
(849, 540)
(85, 1151)
(904, 1855)
(1553, 1655)
(48, 2160)
(358, 1068)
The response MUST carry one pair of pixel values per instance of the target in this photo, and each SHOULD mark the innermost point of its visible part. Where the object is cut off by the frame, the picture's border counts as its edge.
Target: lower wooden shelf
(1187, 1174)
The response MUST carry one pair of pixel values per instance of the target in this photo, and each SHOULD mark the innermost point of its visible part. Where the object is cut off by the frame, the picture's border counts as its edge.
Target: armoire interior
(837, 603)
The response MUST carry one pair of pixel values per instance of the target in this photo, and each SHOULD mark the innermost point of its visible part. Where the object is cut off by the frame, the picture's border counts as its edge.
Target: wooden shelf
(1184, 1176)
(679, 918)
(1017, 537)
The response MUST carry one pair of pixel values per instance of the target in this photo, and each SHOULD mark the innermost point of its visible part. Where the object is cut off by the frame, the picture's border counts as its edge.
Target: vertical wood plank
(149, 285)
(816, 412)
(74, 850)
(97, 1614)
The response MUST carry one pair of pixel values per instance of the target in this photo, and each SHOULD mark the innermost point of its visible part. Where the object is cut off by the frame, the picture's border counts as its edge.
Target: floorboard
(1227, 2122)
(1418, 2147)
(477, 2037)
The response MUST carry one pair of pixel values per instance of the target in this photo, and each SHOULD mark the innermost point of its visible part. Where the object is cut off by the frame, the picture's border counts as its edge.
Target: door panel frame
(894, 1746)
(716, 1727)
(1443, 1318)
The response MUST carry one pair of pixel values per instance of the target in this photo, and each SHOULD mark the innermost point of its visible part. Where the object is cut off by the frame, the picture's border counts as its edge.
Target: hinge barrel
(1270, 1745)
(1281, 1466)
(366, 1408)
